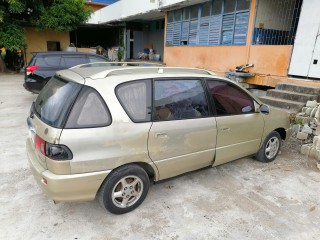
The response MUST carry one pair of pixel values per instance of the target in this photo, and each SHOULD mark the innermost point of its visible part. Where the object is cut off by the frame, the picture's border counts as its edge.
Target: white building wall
(128, 8)
(122, 9)
(305, 59)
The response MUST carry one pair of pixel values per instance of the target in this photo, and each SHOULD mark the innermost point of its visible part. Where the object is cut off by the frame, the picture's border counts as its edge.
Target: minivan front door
(238, 136)
(239, 127)
(182, 137)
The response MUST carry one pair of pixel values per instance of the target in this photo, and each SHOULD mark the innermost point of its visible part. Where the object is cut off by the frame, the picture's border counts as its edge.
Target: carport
(92, 35)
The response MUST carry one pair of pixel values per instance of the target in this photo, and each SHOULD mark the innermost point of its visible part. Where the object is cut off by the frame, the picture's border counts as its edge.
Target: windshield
(55, 100)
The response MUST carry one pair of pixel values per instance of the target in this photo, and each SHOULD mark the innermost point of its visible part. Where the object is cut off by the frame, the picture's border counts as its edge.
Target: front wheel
(270, 148)
(124, 189)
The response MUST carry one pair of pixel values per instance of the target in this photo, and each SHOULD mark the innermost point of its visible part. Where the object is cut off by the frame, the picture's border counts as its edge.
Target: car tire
(270, 148)
(124, 189)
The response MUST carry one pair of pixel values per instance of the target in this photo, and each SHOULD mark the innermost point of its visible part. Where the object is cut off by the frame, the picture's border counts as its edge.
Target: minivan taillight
(40, 144)
(31, 69)
(53, 151)
(58, 152)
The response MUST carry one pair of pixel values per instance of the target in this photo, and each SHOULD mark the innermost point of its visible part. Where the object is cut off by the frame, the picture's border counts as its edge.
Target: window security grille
(276, 22)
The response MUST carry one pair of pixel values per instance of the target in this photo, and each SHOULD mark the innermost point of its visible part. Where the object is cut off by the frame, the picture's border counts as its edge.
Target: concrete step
(292, 96)
(291, 106)
(297, 88)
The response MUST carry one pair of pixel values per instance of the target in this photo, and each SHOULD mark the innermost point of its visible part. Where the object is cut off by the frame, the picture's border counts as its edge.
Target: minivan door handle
(161, 135)
(225, 129)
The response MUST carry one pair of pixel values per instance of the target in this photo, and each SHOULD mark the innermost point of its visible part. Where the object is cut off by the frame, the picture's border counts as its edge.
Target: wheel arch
(105, 194)
(282, 133)
(148, 168)
(151, 172)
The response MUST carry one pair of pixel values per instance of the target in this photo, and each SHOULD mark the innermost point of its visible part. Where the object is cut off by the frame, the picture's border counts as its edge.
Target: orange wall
(271, 63)
(215, 58)
(270, 59)
(37, 41)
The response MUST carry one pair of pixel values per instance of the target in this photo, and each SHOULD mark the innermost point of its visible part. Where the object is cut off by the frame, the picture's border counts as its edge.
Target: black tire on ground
(124, 189)
(270, 148)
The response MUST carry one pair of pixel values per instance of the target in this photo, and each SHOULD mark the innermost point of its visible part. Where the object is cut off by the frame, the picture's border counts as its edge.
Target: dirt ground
(243, 199)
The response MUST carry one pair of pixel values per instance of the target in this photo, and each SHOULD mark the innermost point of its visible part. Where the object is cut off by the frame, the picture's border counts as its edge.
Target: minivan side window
(92, 59)
(176, 99)
(48, 61)
(229, 99)
(89, 111)
(135, 98)
(70, 61)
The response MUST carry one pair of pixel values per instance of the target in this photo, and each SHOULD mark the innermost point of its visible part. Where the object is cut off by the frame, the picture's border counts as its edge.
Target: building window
(217, 22)
(53, 46)
(276, 22)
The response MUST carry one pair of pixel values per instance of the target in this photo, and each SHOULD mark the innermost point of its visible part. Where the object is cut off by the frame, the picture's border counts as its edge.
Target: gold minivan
(108, 131)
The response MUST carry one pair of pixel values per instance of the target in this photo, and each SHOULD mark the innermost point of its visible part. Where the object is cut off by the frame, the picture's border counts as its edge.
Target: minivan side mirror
(264, 109)
(246, 109)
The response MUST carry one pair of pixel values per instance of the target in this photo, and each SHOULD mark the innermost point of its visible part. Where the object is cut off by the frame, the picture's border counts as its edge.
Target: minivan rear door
(39, 131)
(183, 134)
(104, 133)
(49, 113)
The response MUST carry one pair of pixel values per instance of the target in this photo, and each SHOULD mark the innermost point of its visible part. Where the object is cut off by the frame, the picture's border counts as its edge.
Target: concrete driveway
(243, 199)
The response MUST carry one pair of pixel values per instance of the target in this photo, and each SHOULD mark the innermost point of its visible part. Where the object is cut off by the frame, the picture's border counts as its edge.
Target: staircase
(291, 97)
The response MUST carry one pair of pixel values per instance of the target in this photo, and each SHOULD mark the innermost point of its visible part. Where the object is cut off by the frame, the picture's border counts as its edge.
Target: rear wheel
(124, 189)
(270, 148)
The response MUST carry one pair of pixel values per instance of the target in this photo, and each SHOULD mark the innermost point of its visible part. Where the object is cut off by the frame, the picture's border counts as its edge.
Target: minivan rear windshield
(55, 100)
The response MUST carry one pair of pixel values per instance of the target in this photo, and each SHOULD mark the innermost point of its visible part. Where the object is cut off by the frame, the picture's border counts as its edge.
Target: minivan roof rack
(108, 69)
(153, 70)
(115, 64)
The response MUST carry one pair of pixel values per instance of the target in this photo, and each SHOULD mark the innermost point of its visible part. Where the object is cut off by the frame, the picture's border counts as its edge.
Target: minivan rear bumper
(73, 187)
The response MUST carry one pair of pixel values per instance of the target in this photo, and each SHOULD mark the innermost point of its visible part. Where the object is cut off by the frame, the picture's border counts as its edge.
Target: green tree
(57, 15)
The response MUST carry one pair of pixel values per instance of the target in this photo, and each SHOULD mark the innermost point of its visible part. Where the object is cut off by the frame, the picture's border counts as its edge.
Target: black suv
(43, 66)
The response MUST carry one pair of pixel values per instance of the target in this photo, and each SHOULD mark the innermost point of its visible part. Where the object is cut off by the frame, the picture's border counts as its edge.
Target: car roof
(94, 73)
(118, 74)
